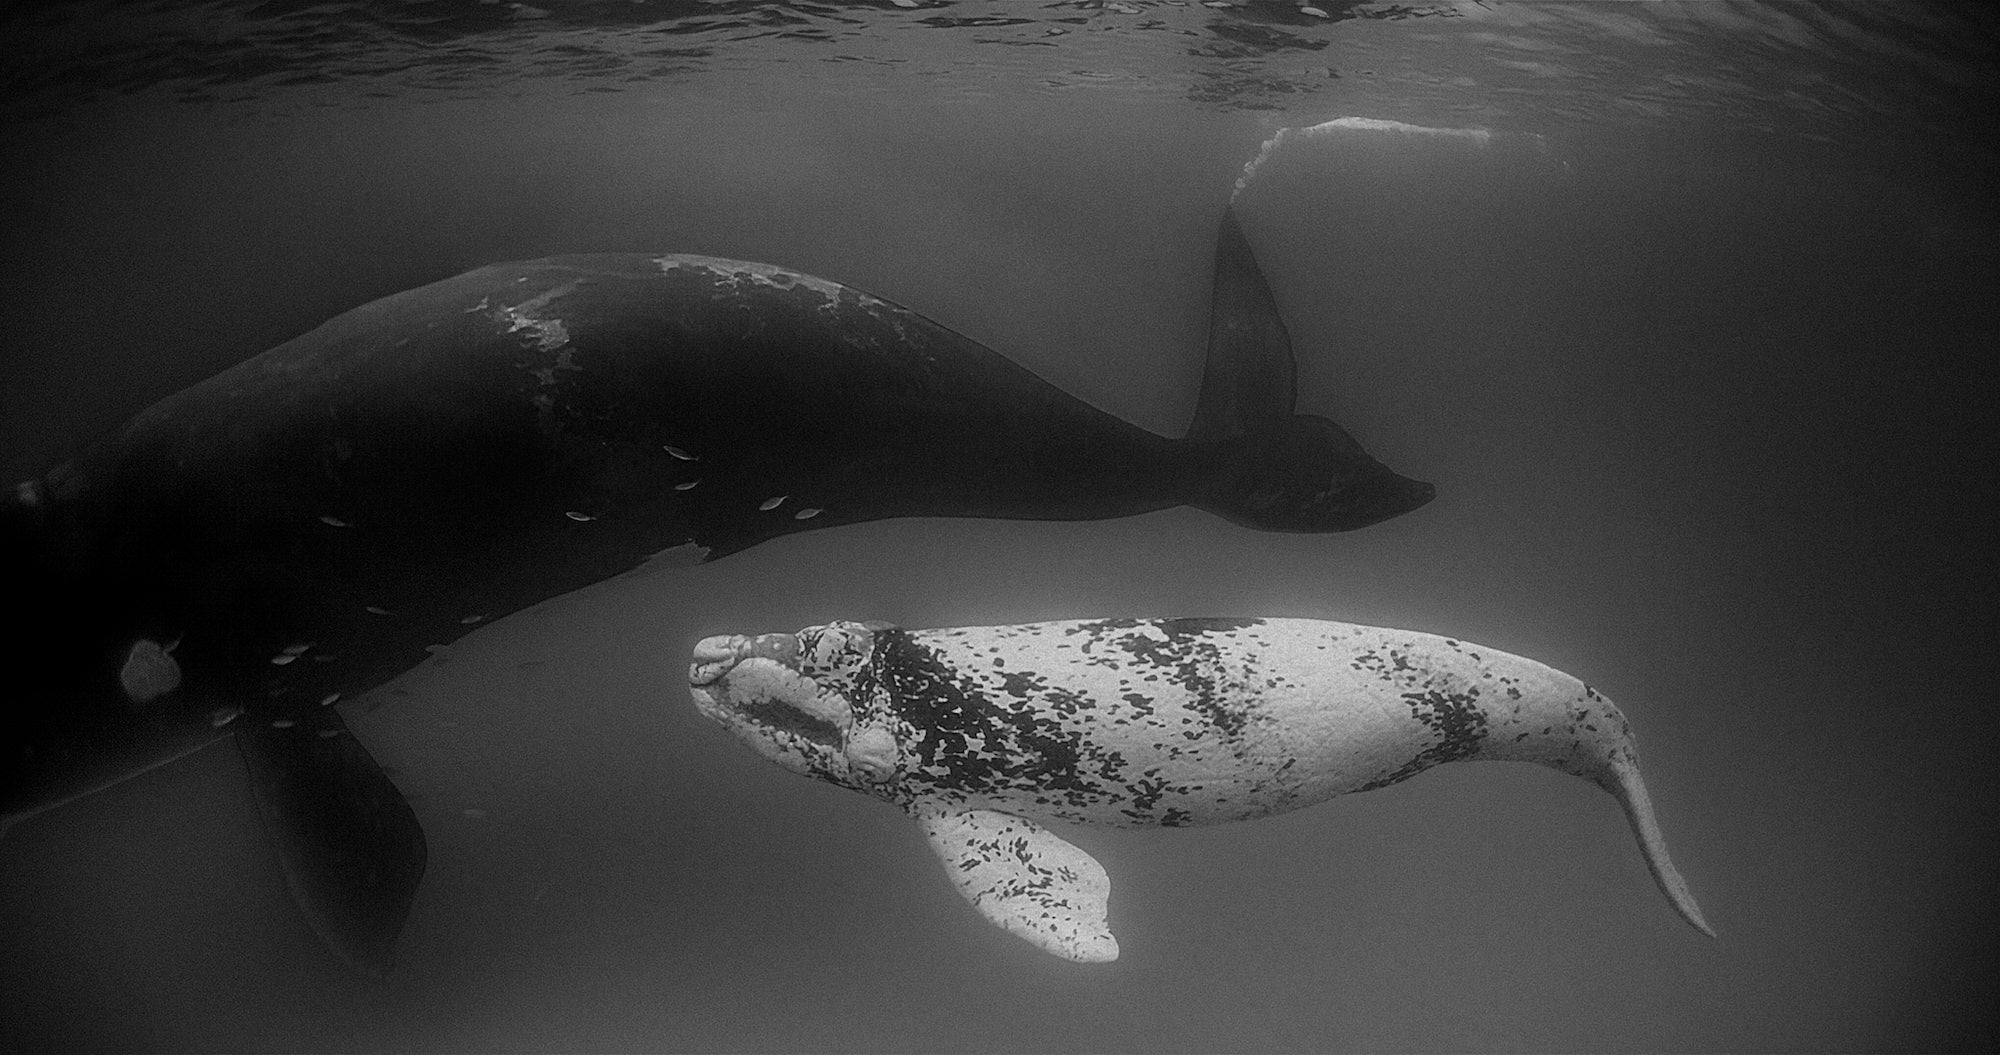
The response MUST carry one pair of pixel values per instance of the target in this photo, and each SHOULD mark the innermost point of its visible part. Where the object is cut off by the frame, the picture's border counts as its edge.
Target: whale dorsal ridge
(1024, 879)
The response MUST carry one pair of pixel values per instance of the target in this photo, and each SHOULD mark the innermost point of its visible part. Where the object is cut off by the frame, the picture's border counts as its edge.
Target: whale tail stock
(1570, 727)
(1621, 779)
(1284, 471)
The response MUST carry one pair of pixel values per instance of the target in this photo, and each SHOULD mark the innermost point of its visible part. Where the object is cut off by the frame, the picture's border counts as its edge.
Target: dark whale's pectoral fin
(1025, 880)
(1251, 380)
(350, 846)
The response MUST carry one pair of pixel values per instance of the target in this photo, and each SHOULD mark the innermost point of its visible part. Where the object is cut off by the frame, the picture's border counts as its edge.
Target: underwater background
(1697, 342)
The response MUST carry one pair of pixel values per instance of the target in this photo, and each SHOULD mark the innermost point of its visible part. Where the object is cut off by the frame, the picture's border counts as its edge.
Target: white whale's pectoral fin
(1024, 879)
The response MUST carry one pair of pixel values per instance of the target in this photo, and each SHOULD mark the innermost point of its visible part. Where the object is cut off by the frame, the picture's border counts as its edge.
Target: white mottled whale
(982, 733)
(302, 527)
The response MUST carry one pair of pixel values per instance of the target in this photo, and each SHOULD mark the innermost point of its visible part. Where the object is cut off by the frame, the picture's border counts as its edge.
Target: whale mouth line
(778, 717)
(755, 685)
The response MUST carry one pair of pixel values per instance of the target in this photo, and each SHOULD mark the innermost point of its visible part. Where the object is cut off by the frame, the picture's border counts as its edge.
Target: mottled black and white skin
(296, 530)
(983, 733)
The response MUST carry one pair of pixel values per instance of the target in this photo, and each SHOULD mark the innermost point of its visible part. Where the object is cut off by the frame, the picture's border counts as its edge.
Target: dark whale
(298, 529)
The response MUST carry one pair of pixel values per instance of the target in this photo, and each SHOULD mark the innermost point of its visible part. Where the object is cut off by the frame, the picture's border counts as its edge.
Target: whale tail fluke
(1307, 474)
(1250, 380)
(1283, 471)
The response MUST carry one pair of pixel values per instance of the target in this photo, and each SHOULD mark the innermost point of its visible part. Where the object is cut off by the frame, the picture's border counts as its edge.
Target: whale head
(801, 700)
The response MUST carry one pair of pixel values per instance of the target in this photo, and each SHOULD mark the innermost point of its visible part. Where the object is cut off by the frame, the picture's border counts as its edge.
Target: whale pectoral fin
(1025, 880)
(351, 847)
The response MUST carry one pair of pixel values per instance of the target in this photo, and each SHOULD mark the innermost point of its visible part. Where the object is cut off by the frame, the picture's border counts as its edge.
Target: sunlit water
(1695, 343)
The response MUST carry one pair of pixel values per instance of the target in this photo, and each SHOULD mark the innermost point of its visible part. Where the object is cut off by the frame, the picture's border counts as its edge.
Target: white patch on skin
(768, 275)
(149, 671)
(545, 334)
(872, 752)
(713, 657)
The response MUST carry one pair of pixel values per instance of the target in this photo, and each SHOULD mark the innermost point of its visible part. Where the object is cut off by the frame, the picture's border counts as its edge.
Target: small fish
(283, 723)
(329, 699)
(579, 517)
(334, 522)
(688, 486)
(681, 454)
(377, 610)
(773, 503)
(471, 619)
(807, 514)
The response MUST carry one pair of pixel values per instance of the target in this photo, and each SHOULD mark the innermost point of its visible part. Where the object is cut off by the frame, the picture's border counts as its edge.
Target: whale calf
(982, 734)
(300, 528)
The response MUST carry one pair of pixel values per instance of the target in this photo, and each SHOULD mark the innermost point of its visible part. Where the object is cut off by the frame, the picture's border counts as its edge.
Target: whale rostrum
(982, 734)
